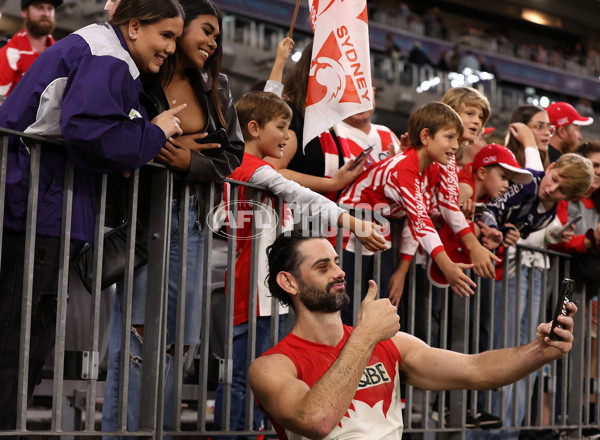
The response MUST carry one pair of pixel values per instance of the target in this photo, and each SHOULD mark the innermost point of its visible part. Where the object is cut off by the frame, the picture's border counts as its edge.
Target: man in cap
(24, 47)
(566, 121)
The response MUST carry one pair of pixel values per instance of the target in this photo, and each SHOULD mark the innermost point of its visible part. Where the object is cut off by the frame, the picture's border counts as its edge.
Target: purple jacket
(86, 89)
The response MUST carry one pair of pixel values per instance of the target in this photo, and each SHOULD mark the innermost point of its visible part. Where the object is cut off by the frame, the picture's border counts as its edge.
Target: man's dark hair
(283, 255)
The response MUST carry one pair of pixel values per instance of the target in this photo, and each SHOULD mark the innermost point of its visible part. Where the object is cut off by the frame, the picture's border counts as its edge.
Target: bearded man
(24, 47)
(327, 380)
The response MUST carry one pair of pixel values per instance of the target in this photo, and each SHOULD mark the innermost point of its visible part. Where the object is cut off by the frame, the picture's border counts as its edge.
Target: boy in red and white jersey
(398, 187)
(264, 119)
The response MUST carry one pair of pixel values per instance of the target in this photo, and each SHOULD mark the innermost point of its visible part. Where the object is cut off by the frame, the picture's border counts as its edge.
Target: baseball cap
(563, 113)
(25, 3)
(494, 154)
(488, 130)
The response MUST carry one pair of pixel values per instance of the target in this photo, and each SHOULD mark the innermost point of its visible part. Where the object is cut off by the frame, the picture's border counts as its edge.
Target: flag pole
(294, 19)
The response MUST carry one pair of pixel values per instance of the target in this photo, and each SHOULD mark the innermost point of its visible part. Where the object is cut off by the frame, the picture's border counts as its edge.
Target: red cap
(494, 154)
(563, 113)
(488, 130)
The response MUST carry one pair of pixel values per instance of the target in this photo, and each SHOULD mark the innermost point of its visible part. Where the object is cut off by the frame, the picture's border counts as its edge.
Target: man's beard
(40, 28)
(324, 301)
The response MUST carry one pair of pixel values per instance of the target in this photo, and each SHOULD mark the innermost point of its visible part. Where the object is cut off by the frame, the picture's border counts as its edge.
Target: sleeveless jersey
(375, 411)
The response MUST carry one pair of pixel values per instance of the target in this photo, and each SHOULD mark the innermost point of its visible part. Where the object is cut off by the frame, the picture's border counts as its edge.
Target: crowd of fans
(464, 203)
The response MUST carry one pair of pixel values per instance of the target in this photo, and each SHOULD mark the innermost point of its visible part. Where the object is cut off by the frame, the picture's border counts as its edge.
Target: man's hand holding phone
(361, 158)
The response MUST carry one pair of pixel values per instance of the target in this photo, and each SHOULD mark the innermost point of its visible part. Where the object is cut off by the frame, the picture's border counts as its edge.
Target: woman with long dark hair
(530, 130)
(192, 77)
(86, 90)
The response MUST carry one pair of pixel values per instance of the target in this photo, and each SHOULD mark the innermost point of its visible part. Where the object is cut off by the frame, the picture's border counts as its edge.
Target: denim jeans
(240, 376)
(525, 327)
(193, 312)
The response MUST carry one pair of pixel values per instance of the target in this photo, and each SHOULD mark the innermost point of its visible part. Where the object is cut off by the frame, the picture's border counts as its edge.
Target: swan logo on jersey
(374, 375)
(339, 82)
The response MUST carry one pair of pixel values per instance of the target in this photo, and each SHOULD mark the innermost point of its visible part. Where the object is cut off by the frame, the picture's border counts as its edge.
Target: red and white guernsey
(379, 137)
(441, 201)
(15, 58)
(259, 172)
(375, 411)
(396, 188)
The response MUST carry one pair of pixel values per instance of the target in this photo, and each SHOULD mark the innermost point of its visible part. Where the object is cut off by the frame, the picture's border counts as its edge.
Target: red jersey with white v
(243, 222)
(375, 411)
(396, 188)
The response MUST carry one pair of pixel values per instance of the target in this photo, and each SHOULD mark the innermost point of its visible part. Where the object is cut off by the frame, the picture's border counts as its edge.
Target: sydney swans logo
(337, 74)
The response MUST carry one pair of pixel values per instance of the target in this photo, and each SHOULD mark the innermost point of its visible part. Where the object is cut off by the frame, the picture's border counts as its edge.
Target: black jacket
(204, 169)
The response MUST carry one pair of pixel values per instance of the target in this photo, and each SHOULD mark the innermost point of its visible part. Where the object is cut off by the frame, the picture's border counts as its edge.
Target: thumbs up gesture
(379, 316)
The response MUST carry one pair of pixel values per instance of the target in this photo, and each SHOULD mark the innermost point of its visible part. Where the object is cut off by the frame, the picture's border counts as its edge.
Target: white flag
(339, 83)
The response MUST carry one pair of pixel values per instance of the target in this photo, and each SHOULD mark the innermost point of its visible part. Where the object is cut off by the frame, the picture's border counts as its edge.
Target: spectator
(403, 11)
(469, 61)
(443, 63)
(195, 70)
(311, 384)
(105, 129)
(519, 212)
(417, 56)
(541, 55)
(434, 24)
(566, 121)
(284, 50)
(488, 176)
(483, 66)
(22, 49)
(359, 133)
(455, 57)
(474, 111)
(586, 238)
(584, 244)
(433, 131)
(265, 118)
(315, 166)
(391, 48)
(529, 135)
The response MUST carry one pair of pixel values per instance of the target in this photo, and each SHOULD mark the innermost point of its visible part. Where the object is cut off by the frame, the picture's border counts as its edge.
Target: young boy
(533, 206)
(520, 211)
(474, 110)
(488, 176)
(264, 118)
(398, 187)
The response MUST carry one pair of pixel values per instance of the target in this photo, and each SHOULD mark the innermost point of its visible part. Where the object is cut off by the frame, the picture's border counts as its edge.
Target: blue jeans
(193, 312)
(240, 376)
(525, 327)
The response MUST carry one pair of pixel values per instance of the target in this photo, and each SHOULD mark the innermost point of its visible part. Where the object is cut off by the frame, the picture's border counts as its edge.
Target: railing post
(152, 392)
(27, 295)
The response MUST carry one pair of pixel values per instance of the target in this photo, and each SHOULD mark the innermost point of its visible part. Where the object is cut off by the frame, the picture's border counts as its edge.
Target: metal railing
(567, 395)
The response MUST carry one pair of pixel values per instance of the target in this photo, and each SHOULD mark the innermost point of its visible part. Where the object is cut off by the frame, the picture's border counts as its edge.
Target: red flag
(339, 83)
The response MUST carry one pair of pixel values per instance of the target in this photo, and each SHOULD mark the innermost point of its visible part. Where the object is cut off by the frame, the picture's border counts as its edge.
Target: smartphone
(479, 208)
(564, 296)
(574, 221)
(216, 137)
(360, 157)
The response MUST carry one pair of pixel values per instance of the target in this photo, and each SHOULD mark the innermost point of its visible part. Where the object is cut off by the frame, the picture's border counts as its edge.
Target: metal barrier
(565, 397)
